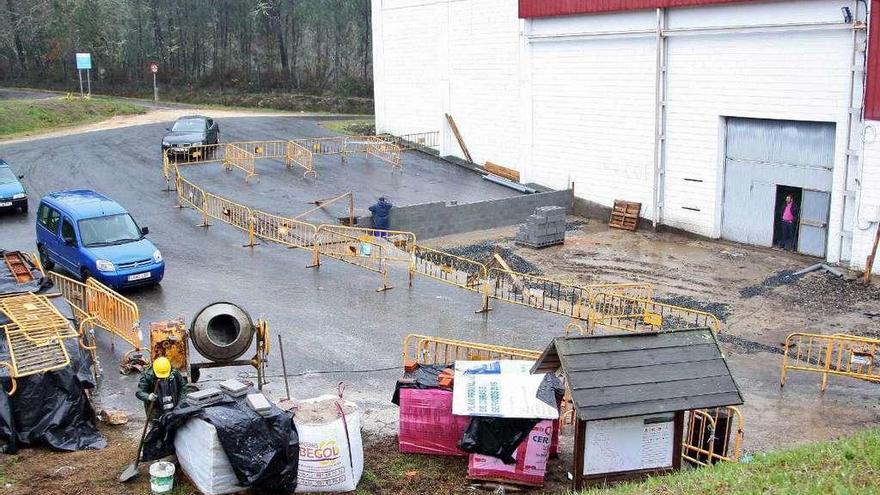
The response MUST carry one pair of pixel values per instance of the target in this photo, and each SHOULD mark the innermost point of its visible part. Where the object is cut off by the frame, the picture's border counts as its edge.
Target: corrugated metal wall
(549, 8)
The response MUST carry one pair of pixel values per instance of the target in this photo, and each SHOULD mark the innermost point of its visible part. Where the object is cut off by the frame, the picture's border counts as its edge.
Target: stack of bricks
(545, 227)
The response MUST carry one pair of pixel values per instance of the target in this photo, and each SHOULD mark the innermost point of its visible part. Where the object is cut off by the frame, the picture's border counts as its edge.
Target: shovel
(131, 471)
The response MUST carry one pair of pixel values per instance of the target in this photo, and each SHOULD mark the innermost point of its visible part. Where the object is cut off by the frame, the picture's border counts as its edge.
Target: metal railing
(644, 315)
(74, 292)
(415, 140)
(398, 244)
(451, 269)
(713, 435)
(114, 313)
(536, 292)
(35, 335)
(264, 149)
(240, 158)
(839, 354)
(302, 157)
(360, 251)
(335, 145)
(286, 231)
(425, 349)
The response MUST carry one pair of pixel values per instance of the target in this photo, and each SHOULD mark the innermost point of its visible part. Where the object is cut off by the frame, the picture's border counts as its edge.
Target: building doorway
(781, 193)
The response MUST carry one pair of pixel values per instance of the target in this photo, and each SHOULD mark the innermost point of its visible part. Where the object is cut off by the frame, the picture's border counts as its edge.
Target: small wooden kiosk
(630, 393)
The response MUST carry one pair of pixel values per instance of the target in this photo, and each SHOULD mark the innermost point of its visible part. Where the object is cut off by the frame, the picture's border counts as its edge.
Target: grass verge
(26, 117)
(354, 127)
(849, 465)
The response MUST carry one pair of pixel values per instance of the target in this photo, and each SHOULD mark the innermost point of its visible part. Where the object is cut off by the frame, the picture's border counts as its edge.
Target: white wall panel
(868, 213)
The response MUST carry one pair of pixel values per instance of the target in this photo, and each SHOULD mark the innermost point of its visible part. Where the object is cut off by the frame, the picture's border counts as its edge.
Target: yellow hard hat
(162, 367)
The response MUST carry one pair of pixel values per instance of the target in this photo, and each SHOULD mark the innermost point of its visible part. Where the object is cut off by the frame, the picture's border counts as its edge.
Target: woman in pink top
(789, 223)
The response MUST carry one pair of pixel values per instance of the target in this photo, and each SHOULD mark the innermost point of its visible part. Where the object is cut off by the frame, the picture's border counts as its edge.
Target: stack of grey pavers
(545, 227)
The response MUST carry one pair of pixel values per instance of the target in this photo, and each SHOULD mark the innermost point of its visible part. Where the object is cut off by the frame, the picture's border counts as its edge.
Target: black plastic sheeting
(263, 451)
(496, 437)
(51, 409)
(425, 376)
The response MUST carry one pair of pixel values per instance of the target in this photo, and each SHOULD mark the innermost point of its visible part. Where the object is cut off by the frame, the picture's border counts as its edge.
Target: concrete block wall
(428, 220)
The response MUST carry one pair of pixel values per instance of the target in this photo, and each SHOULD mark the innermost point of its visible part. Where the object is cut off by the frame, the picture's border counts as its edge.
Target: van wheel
(85, 274)
(44, 258)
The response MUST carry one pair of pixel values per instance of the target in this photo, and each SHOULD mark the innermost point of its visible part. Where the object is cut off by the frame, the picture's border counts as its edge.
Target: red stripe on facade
(549, 8)
(872, 88)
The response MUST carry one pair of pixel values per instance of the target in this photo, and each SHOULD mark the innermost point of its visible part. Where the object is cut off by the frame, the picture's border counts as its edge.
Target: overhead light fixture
(847, 15)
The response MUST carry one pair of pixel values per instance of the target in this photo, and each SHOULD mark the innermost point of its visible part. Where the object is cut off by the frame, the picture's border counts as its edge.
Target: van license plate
(6, 203)
(138, 276)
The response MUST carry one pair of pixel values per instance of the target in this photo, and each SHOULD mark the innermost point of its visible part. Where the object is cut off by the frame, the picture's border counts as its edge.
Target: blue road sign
(83, 61)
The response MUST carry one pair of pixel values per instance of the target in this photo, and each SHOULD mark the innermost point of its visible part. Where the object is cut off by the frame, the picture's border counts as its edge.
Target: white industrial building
(706, 111)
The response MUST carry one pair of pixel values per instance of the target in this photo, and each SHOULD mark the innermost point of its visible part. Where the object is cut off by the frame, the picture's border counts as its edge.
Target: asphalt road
(335, 326)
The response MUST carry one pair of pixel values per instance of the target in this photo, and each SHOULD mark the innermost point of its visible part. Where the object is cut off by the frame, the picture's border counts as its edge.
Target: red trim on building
(872, 88)
(549, 8)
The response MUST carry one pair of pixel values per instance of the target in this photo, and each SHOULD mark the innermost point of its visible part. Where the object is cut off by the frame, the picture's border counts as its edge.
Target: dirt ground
(752, 292)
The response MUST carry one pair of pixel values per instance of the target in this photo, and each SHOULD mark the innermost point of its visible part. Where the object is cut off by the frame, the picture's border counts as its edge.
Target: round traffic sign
(154, 67)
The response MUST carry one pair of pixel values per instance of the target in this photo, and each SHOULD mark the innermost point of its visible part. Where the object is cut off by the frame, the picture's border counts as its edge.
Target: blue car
(12, 192)
(91, 235)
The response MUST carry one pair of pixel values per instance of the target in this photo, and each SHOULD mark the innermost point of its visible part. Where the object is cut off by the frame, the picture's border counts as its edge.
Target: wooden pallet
(625, 215)
(17, 266)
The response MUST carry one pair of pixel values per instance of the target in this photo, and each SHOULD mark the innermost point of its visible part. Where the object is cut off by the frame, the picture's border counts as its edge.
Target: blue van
(12, 193)
(91, 235)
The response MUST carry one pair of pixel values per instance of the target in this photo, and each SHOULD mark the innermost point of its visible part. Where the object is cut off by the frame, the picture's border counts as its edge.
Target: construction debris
(234, 388)
(205, 397)
(259, 403)
(545, 227)
(820, 266)
(113, 417)
(625, 215)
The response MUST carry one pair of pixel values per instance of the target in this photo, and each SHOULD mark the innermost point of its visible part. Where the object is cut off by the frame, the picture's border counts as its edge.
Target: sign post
(154, 68)
(84, 63)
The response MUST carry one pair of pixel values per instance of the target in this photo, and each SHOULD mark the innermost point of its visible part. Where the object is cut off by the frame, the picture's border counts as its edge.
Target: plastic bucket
(161, 477)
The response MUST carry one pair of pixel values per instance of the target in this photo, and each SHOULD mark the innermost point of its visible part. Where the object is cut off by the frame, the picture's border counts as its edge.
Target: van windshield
(109, 230)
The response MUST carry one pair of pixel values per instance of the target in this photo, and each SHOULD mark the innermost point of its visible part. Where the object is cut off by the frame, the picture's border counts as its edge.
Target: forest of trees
(307, 46)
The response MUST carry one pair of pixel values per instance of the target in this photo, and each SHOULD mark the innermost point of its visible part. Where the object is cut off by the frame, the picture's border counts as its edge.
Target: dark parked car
(12, 192)
(190, 131)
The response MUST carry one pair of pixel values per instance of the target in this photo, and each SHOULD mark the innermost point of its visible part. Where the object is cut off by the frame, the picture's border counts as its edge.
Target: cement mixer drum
(222, 332)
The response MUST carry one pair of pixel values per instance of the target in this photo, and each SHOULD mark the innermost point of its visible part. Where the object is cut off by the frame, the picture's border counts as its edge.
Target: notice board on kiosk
(629, 444)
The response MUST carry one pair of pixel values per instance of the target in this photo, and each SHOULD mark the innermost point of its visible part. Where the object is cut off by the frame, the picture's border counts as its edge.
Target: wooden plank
(645, 392)
(458, 137)
(572, 346)
(639, 358)
(582, 380)
(500, 171)
(660, 406)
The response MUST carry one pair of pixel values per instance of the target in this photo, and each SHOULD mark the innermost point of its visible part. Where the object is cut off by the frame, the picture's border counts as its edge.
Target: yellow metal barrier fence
(74, 292)
(286, 231)
(34, 334)
(536, 292)
(335, 145)
(644, 315)
(360, 251)
(299, 155)
(451, 269)
(704, 444)
(240, 158)
(264, 149)
(838, 354)
(398, 244)
(425, 349)
(113, 312)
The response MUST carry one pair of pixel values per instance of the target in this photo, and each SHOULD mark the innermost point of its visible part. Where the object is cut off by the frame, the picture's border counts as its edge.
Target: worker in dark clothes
(789, 223)
(161, 386)
(381, 214)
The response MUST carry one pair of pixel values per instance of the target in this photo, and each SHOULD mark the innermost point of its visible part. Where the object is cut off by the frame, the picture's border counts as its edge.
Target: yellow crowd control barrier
(451, 269)
(425, 349)
(302, 157)
(375, 147)
(35, 335)
(286, 231)
(114, 313)
(74, 293)
(644, 315)
(334, 145)
(264, 149)
(536, 292)
(360, 251)
(240, 158)
(398, 245)
(838, 354)
(713, 435)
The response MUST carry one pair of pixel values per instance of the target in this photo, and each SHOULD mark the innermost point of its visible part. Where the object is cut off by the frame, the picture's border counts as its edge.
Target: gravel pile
(783, 277)
(720, 310)
(823, 292)
(482, 252)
